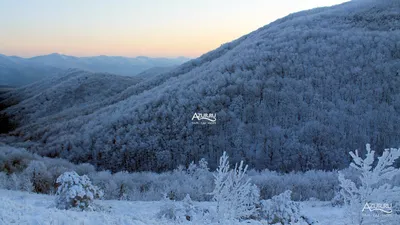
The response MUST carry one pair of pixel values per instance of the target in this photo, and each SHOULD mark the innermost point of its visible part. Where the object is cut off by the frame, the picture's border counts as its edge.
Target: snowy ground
(26, 208)
(35, 209)
(323, 213)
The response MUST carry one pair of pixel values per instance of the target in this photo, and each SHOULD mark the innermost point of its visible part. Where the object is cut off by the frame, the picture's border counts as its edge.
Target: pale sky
(155, 28)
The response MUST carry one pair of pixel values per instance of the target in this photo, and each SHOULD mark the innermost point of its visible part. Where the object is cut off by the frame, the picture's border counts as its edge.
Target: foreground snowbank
(36, 209)
(24, 208)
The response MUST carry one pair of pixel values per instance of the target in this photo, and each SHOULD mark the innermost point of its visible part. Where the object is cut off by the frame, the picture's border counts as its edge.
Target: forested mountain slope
(69, 91)
(296, 94)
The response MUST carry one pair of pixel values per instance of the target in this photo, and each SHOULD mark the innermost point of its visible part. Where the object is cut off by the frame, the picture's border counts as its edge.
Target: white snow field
(26, 208)
(37, 209)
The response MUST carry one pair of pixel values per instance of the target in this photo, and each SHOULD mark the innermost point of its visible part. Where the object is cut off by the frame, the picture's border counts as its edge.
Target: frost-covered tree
(236, 197)
(76, 191)
(373, 186)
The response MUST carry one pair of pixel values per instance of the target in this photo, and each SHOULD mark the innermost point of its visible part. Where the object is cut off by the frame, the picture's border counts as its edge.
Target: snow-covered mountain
(14, 71)
(112, 64)
(17, 71)
(154, 71)
(296, 94)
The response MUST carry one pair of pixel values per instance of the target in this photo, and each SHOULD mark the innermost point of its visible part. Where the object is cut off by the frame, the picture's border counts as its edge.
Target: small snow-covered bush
(281, 209)
(337, 200)
(21, 182)
(3, 180)
(190, 210)
(14, 160)
(40, 177)
(183, 211)
(169, 210)
(236, 197)
(76, 191)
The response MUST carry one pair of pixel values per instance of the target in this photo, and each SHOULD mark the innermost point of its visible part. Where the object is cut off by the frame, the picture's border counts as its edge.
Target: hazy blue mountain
(111, 64)
(17, 71)
(296, 94)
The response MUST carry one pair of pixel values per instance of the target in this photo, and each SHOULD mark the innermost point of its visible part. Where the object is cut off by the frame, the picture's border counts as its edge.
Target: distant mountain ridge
(17, 71)
(14, 71)
(119, 65)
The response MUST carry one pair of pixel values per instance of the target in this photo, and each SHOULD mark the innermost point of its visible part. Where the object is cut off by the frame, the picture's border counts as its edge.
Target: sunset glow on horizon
(153, 28)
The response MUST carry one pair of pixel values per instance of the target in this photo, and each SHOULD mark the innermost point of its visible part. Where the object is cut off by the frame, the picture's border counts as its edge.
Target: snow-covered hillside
(70, 91)
(297, 94)
(154, 71)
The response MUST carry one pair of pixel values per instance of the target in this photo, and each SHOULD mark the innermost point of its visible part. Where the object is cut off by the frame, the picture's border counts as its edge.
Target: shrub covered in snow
(14, 160)
(21, 182)
(169, 210)
(236, 197)
(183, 211)
(76, 191)
(337, 200)
(374, 186)
(281, 209)
(3, 180)
(40, 177)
